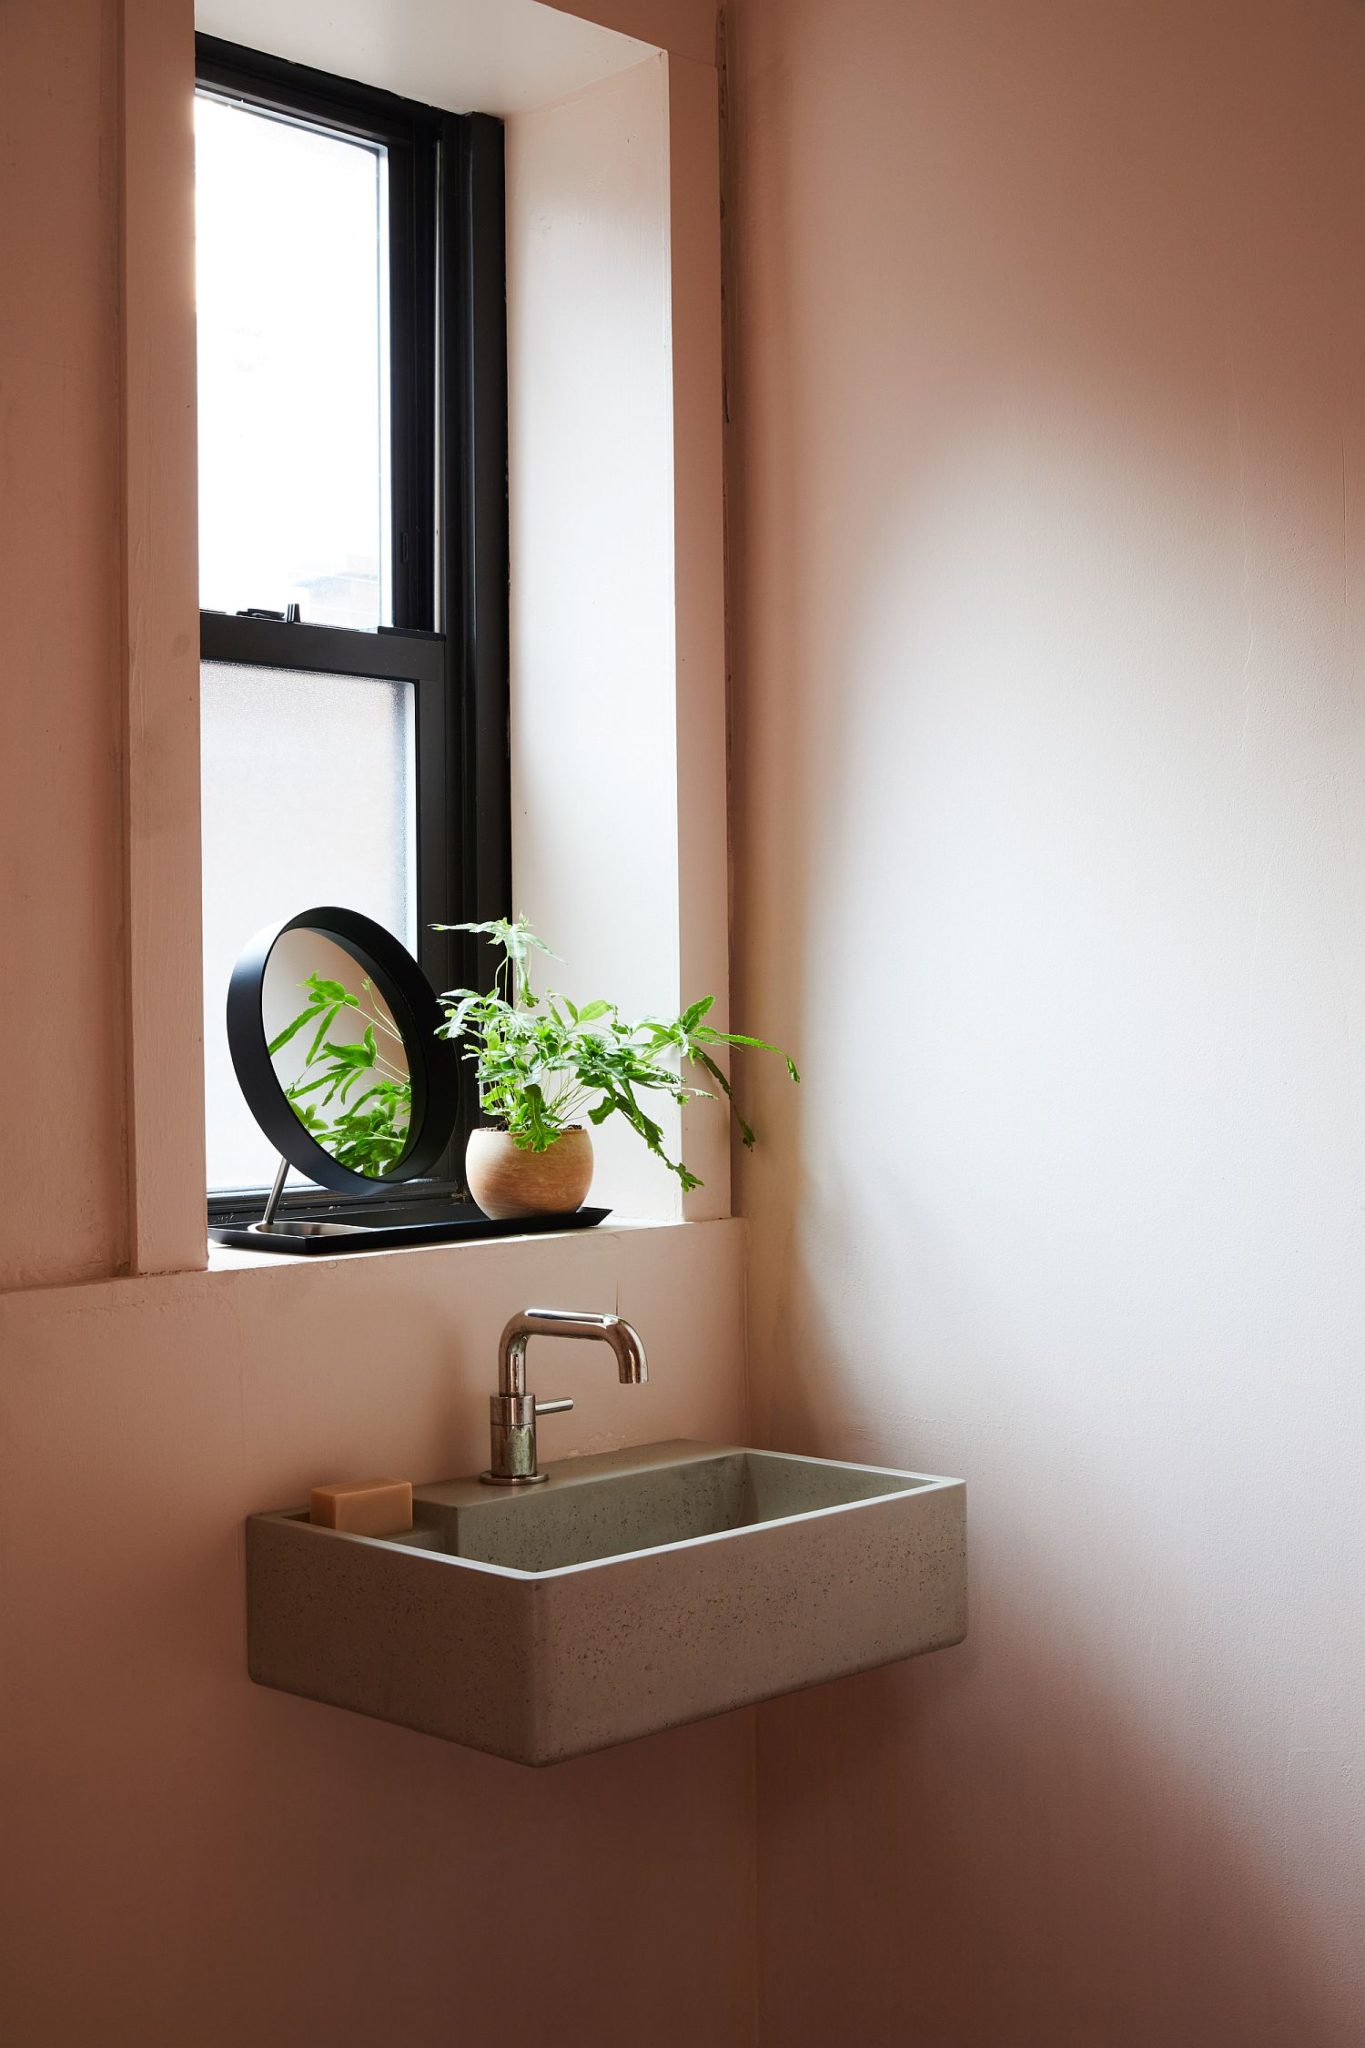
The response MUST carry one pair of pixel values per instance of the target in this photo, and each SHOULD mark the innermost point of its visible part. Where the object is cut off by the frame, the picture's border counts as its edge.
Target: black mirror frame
(432, 1062)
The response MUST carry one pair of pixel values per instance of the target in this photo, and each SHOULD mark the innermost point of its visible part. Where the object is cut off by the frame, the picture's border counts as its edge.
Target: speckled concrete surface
(632, 1592)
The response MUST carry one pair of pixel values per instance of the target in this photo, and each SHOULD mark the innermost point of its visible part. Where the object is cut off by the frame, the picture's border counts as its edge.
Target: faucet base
(512, 1411)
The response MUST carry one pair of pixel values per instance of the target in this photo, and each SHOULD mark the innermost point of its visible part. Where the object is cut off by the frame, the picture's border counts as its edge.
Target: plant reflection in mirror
(366, 1132)
(543, 1064)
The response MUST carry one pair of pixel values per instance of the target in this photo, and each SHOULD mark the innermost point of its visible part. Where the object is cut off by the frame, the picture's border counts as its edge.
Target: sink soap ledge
(363, 1507)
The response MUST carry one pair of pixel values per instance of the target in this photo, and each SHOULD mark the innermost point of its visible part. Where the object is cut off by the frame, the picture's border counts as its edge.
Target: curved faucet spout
(513, 1411)
(631, 1364)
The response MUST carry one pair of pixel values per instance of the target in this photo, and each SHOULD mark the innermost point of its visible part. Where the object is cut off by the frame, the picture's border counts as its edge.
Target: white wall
(595, 639)
(470, 56)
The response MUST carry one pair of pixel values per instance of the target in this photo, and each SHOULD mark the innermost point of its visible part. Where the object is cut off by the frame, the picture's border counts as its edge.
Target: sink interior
(579, 1521)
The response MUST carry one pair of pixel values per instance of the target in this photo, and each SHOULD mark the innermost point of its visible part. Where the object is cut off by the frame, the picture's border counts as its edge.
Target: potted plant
(547, 1069)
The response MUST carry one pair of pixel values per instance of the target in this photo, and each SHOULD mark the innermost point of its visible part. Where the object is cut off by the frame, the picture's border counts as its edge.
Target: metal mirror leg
(273, 1199)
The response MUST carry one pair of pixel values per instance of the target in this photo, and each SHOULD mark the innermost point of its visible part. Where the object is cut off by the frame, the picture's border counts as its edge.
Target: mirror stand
(293, 1227)
(273, 1198)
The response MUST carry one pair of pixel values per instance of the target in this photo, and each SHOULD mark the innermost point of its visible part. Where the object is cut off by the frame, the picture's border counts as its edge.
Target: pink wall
(1048, 448)
(61, 816)
(1048, 433)
(192, 1861)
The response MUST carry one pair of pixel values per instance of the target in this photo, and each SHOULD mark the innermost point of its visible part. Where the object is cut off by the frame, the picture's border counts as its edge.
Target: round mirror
(331, 1025)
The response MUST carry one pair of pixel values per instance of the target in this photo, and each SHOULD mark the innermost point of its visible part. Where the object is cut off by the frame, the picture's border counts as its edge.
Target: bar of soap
(363, 1507)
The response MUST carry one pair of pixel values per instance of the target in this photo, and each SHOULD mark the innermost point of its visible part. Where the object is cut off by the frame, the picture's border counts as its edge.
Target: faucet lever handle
(553, 1407)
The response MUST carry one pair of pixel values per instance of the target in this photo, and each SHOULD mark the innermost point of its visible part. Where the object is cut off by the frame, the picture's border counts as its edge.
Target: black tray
(384, 1228)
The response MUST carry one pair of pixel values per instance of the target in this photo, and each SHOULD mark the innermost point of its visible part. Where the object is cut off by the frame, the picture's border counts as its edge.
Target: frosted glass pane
(293, 372)
(309, 797)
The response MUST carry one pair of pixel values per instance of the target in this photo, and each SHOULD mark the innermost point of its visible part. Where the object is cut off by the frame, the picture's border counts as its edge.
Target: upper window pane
(293, 368)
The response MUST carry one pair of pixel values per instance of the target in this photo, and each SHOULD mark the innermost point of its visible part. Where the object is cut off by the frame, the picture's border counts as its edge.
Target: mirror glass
(336, 1051)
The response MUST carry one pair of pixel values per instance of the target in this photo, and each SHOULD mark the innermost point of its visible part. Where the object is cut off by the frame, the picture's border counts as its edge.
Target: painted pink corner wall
(1048, 508)
(193, 1861)
(63, 1210)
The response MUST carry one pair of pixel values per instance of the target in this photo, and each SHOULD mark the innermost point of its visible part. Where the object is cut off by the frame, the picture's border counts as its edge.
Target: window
(294, 340)
(353, 528)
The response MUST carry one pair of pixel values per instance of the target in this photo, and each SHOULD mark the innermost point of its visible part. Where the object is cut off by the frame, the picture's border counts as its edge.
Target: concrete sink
(630, 1593)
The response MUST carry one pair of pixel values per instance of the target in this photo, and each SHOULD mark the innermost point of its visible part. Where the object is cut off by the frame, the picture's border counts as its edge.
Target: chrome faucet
(513, 1412)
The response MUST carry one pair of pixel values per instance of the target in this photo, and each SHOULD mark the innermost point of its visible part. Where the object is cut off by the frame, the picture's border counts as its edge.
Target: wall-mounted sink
(629, 1593)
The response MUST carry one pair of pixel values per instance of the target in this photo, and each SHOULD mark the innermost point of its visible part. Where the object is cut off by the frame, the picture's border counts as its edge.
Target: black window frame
(448, 426)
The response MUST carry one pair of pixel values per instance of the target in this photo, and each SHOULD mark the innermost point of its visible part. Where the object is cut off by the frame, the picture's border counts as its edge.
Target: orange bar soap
(363, 1507)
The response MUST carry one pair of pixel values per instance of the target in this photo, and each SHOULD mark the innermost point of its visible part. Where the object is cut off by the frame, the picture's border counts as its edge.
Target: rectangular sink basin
(631, 1592)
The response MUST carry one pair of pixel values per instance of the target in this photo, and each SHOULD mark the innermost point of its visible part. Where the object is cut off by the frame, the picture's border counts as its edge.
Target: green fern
(542, 1063)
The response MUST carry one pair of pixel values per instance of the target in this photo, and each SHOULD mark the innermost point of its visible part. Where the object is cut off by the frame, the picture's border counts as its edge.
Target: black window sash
(390, 655)
(412, 137)
(448, 426)
(393, 655)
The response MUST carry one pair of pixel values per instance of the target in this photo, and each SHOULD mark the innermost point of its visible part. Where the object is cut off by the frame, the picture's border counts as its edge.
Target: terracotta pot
(506, 1181)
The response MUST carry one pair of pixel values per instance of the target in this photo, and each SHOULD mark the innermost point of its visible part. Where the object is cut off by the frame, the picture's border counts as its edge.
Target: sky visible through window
(293, 370)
